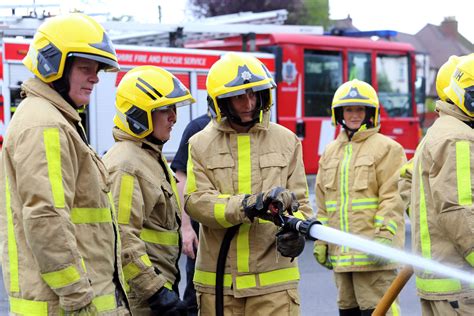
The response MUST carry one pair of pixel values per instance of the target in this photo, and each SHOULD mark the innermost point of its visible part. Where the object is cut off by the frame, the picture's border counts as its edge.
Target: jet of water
(335, 236)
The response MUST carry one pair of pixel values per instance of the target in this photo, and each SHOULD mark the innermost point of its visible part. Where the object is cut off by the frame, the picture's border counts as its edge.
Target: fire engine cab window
(322, 76)
(359, 67)
(393, 85)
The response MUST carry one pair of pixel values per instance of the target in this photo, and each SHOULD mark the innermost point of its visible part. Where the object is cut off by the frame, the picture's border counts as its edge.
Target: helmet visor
(108, 64)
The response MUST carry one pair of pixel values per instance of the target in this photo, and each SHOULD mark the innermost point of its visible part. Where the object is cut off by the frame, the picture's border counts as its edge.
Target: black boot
(367, 312)
(349, 312)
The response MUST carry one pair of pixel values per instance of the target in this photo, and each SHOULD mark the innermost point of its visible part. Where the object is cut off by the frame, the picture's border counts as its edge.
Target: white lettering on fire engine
(140, 58)
(174, 60)
(195, 61)
(125, 57)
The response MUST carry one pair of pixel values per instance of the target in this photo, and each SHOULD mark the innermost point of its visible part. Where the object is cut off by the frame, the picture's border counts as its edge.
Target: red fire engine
(310, 68)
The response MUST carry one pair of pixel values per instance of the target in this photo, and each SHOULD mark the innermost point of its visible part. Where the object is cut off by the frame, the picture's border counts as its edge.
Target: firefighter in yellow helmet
(62, 241)
(441, 197)
(357, 192)
(240, 165)
(144, 188)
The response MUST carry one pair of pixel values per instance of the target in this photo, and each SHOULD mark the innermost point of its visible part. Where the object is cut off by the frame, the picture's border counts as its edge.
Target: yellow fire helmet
(64, 36)
(444, 75)
(461, 87)
(355, 92)
(143, 90)
(233, 74)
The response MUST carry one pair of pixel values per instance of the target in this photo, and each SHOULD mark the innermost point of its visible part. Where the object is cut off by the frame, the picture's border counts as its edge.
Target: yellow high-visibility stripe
(209, 278)
(52, 148)
(174, 187)
(21, 306)
(470, 259)
(62, 278)
(161, 238)
(146, 260)
(245, 164)
(463, 172)
(125, 199)
(105, 302)
(245, 282)
(438, 285)
(408, 166)
(299, 215)
(343, 214)
(219, 215)
(12, 246)
(130, 271)
(191, 178)
(279, 276)
(90, 215)
(243, 248)
(425, 237)
(363, 204)
(395, 309)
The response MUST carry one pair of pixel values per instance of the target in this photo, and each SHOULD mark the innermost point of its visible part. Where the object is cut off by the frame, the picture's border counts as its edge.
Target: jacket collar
(36, 87)
(359, 136)
(445, 108)
(224, 125)
(120, 135)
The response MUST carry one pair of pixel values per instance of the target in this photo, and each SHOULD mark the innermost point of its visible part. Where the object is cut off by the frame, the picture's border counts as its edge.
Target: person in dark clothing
(189, 227)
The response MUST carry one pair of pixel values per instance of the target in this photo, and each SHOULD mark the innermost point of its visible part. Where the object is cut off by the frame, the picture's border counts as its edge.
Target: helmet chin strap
(235, 118)
(351, 131)
(62, 86)
(152, 139)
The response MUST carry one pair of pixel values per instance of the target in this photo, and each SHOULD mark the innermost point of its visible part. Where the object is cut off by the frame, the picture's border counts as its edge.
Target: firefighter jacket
(357, 192)
(145, 196)
(223, 167)
(404, 184)
(61, 245)
(442, 213)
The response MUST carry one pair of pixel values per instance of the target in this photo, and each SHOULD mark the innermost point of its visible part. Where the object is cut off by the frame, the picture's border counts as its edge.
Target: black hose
(220, 268)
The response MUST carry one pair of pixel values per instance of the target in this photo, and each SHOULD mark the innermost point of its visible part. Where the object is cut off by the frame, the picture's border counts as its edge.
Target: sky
(408, 16)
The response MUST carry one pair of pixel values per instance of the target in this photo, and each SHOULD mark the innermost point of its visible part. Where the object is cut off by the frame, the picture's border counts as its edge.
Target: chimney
(449, 27)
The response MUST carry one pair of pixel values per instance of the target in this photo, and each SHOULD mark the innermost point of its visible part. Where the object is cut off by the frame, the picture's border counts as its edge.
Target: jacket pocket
(330, 174)
(271, 165)
(167, 217)
(222, 166)
(363, 172)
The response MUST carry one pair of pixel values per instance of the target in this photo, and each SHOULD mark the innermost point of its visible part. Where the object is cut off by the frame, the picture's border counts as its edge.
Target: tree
(314, 12)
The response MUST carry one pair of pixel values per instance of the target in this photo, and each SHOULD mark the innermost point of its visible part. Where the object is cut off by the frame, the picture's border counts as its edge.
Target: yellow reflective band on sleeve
(172, 182)
(425, 237)
(324, 220)
(243, 250)
(365, 204)
(406, 167)
(378, 220)
(91, 215)
(245, 282)
(52, 148)
(168, 285)
(146, 260)
(62, 278)
(392, 226)
(161, 238)
(191, 178)
(83, 264)
(438, 285)
(219, 215)
(125, 198)
(245, 164)
(209, 278)
(463, 172)
(130, 271)
(470, 259)
(395, 309)
(20, 306)
(12, 246)
(331, 206)
(105, 302)
(279, 276)
(299, 215)
(350, 260)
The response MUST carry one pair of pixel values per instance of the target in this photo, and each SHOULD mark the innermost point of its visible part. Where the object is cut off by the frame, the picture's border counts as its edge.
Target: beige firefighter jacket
(442, 212)
(148, 214)
(357, 192)
(61, 246)
(223, 167)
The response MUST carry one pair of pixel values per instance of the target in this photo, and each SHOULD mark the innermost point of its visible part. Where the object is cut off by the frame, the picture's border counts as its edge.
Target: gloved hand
(379, 261)
(320, 253)
(89, 310)
(167, 303)
(290, 243)
(270, 205)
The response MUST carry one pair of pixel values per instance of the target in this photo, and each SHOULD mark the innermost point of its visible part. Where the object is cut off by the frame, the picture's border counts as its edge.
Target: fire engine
(307, 68)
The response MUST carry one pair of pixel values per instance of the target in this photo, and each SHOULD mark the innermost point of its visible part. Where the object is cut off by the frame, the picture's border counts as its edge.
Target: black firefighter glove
(167, 303)
(270, 205)
(290, 243)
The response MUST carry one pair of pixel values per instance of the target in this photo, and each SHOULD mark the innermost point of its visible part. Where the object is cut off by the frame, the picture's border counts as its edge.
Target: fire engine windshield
(393, 85)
